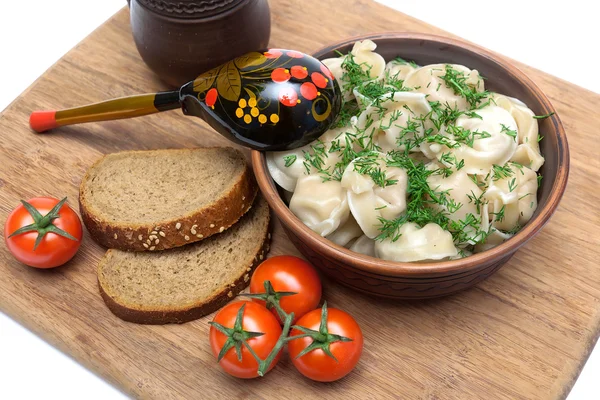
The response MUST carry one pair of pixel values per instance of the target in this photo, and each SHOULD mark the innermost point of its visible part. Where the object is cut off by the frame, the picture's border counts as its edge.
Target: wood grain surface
(522, 334)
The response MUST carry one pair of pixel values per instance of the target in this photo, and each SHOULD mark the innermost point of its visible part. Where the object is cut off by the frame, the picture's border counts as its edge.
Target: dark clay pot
(180, 39)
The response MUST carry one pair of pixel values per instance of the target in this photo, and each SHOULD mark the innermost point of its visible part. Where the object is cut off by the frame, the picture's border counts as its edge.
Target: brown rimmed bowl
(424, 280)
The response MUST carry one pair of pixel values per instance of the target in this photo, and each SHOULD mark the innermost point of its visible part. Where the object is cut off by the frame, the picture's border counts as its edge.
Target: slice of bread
(160, 199)
(183, 284)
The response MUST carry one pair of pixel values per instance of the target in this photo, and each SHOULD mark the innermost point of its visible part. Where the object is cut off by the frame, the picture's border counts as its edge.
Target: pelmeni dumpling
(491, 144)
(428, 80)
(364, 55)
(493, 239)
(369, 201)
(321, 205)
(286, 176)
(513, 199)
(528, 150)
(346, 233)
(417, 244)
(398, 69)
(364, 245)
(464, 197)
(396, 120)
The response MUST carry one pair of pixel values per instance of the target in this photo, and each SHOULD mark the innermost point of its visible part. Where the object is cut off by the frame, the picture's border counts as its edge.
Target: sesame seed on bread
(183, 284)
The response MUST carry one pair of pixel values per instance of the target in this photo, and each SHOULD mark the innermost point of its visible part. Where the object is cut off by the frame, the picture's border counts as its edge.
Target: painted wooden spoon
(271, 100)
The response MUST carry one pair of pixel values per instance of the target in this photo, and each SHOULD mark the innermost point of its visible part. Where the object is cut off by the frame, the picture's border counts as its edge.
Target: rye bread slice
(160, 199)
(183, 284)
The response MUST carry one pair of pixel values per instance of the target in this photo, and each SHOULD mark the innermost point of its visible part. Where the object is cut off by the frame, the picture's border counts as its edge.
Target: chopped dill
(457, 81)
(402, 61)
(349, 109)
(544, 116)
(501, 172)
(289, 159)
(477, 201)
(499, 215)
(475, 181)
(368, 164)
(354, 74)
(510, 132)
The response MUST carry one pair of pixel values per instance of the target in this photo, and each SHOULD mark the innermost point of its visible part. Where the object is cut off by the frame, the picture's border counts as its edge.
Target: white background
(557, 37)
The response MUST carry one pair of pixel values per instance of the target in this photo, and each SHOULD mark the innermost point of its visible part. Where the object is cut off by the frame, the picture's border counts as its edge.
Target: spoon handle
(124, 107)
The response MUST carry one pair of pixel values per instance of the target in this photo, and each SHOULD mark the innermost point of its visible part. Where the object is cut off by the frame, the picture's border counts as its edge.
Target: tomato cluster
(325, 344)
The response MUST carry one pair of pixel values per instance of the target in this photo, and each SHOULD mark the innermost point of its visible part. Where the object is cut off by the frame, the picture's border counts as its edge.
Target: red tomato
(256, 318)
(54, 248)
(316, 364)
(289, 274)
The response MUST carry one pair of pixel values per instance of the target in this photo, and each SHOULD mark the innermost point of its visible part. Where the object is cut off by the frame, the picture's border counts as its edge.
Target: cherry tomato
(289, 274)
(254, 318)
(317, 364)
(50, 222)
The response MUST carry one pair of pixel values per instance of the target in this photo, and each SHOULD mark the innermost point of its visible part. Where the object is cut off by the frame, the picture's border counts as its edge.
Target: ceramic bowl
(433, 279)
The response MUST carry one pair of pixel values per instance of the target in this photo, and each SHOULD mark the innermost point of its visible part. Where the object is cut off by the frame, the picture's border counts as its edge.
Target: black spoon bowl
(269, 100)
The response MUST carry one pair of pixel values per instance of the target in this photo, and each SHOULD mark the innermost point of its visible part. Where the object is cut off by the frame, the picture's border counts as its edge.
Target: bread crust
(207, 306)
(167, 234)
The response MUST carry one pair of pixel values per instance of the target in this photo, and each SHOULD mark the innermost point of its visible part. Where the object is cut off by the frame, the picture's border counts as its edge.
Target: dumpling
(346, 232)
(396, 120)
(429, 80)
(528, 151)
(369, 197)
(513, 198)
(363, 55)
(494, 238)
(480, 141)
(364, 245)
(287, 166)
(430, 242)
(463, 197)
(398, 69)
(320, 205)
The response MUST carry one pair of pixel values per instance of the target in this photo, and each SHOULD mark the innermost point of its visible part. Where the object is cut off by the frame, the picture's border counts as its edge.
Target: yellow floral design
(247, 110)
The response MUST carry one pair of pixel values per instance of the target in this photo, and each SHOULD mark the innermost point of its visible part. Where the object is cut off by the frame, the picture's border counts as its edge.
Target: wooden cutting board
(523, 334)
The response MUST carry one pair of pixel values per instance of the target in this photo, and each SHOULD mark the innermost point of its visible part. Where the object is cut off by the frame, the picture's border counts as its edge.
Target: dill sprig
(368, 164)
(476, 200)
(349, 110)
(544, 116)
(402, 61)
(354, 75)
(466, 136)
(289, 159)
(373, 90)
(457, 81)
(501, 172)
(510, 132)
(479, 184)
(315, 158)
(443, 114)
(499, 215)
